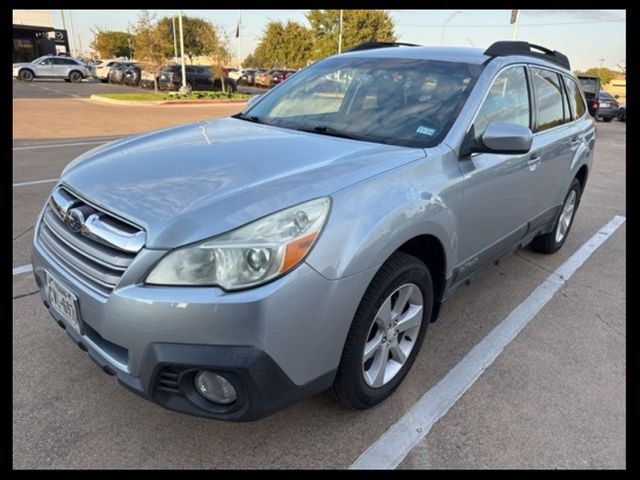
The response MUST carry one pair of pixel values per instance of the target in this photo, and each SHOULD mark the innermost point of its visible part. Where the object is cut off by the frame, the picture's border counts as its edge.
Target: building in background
(34, 35)
(617, 88)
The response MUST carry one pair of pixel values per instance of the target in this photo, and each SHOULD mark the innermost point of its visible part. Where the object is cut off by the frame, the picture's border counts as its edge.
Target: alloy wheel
(392, 335)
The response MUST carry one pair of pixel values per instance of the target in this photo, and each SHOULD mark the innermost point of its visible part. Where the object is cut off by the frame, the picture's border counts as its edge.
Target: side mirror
(503, 137)
(253, 100)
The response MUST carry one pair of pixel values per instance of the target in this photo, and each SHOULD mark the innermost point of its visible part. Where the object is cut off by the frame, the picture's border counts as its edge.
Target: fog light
(215, 387)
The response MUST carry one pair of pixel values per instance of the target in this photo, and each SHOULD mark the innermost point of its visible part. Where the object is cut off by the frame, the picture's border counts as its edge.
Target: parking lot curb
(153, 103)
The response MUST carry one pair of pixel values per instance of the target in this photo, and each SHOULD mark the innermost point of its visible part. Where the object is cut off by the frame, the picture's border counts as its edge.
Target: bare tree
(149, 45)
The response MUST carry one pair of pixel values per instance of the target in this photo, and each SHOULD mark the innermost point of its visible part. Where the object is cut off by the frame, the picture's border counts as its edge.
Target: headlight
(248, 256)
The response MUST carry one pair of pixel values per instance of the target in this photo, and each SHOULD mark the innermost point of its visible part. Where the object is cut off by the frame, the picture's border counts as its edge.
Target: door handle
(576, 141)
(533, 163)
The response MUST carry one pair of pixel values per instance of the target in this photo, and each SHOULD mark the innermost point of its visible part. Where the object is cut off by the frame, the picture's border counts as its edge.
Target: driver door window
(507, 101)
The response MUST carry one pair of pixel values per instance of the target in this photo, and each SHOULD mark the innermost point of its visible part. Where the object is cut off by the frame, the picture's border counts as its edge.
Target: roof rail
(500, 49)
(370, 45)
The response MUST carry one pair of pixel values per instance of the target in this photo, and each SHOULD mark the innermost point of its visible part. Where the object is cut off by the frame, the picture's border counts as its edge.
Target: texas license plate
(63, 302)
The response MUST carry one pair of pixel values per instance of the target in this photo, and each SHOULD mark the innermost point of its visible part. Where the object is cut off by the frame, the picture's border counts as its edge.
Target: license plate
(63, 302)
(604, 104)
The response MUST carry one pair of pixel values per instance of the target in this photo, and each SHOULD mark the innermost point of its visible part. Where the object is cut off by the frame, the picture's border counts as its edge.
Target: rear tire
(552, 242)
(356, 384)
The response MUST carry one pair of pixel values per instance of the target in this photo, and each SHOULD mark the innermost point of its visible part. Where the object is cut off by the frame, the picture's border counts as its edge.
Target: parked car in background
(146, 79)
(132, 75)
(248, 77)
(117, 72)
(591, 88)
(608, 106)
(622, 113)
(102, 70)
(198, 78)
(262, 77)
(234, 73)
(269, 78)
(280, 76)
(51, 66)
(229, 268)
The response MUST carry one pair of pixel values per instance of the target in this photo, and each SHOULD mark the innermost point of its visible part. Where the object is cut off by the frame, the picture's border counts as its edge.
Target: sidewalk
(70, 118)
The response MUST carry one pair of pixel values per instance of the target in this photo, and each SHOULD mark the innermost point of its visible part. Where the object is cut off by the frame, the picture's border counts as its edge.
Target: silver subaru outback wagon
(229, 268)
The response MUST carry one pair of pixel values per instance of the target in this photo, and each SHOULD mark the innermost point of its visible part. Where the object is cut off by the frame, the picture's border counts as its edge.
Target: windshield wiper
(327, 130)
(249, 118)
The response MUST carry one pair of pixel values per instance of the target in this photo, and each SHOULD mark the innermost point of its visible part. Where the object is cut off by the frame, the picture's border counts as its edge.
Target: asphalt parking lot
(52, 88)
(554, 397)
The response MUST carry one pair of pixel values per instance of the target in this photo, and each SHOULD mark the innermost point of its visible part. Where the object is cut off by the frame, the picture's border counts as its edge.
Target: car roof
(470, 55)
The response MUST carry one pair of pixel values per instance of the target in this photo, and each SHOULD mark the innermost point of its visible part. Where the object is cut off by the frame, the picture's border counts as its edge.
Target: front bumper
(277, 343)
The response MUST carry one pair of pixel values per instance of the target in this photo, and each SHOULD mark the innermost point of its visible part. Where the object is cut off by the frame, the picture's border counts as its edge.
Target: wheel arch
(582, 175)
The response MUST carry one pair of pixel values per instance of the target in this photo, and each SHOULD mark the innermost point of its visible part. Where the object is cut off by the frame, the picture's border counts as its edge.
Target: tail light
(596, 104)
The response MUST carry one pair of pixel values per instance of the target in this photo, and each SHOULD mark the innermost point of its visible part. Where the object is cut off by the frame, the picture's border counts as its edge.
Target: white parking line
(22, 269)
(53, 145)
(35, 182)
(60, 92)
(394, 445)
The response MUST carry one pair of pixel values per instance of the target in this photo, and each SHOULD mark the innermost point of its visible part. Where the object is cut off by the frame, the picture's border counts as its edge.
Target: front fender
(371, 220)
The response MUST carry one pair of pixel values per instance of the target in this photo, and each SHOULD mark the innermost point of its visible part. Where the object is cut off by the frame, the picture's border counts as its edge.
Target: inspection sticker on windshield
(426, 131)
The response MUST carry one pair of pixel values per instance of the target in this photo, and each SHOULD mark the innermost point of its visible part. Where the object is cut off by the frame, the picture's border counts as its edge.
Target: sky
(590, 38)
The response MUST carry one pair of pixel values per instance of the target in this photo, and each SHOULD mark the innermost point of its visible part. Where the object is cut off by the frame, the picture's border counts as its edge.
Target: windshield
(408, 102)
(39, 59)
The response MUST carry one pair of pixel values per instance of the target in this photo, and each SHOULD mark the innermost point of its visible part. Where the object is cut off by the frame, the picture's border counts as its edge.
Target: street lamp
(449, 18)
(183, 89)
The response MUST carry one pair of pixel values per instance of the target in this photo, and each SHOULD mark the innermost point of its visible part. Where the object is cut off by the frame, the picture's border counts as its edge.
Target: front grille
(101, 248)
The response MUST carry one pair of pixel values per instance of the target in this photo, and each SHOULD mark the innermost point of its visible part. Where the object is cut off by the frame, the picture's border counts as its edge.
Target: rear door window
(548, 92)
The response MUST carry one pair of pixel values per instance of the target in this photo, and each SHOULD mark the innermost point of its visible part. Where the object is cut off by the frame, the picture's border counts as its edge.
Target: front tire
(386, 334)
(25, 75)
(75, 77)
(552, 242)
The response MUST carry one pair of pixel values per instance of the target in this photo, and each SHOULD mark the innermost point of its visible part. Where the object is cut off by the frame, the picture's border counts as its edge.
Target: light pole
(175, 39)
(516, 23)
(129, 40)
(471, 43)
(449, 18)
(64, 27)
(601, 61)
(73, 42)
(340, 34)
(183, 88)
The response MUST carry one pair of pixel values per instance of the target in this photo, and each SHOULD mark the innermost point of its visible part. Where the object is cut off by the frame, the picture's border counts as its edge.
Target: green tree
(200, 36)
(283, 45)
(604, 74)
(111, 44)
(357, 26)
(150, 46)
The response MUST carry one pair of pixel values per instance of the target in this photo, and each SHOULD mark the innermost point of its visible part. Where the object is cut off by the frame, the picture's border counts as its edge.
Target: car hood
(195, 181)
(24, 64)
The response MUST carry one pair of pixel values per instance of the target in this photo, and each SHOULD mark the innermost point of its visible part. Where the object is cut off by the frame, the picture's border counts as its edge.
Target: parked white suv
(50, 66)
